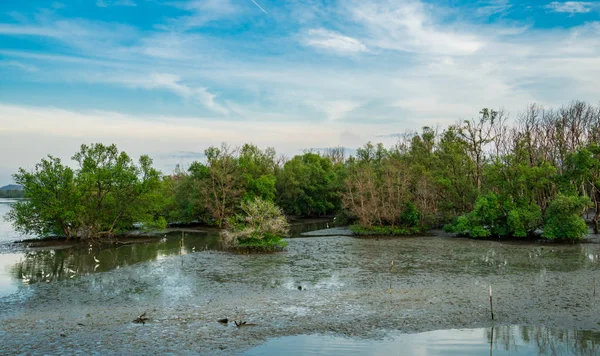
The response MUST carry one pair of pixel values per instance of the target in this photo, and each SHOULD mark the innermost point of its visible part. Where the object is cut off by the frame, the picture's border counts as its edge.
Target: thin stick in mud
(491, 303)
(391, 268)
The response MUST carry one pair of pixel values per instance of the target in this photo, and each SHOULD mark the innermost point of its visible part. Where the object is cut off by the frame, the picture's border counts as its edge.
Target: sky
(171, 78)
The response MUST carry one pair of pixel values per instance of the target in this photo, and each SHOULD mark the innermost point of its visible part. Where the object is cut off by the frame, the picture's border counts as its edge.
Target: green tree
(116, 192)
(308, 185)
(257, 168)
(582, 175)
(221, 182)
(53, 201)
(453, 173)
(11, 194)
(563, 217)
(185, 201)
(107, 194)
(497, 216)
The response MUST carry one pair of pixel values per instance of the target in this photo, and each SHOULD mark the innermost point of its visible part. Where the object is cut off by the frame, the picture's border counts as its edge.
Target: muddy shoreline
(438, 283)
(135, 236)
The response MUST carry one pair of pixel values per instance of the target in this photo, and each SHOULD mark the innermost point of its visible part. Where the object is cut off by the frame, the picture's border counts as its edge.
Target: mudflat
(320, 285)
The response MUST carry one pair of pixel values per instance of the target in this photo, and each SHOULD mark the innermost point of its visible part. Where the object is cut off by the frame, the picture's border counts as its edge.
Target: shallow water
(19, 265)
(7, 233)
(437, 283)
(500, 340)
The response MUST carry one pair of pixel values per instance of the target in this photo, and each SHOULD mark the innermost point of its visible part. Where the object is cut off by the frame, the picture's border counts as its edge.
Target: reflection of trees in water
(547, 341)
(53, 265)
(502, 336)
(558, 342)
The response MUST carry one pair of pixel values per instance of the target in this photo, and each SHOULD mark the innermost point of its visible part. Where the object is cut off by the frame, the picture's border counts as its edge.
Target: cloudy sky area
(170, 78)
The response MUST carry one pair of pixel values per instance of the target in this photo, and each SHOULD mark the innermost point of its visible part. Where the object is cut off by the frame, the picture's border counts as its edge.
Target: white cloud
(16, 64)
(423, 70)
(572, 7)
(173, 83)
(35, 132)
(333, 41)
(170, 82)
(90, 37)
(201, 13)
(492, 7)
(171, 46)
(407, 26)
(335, 109)
(27, 30)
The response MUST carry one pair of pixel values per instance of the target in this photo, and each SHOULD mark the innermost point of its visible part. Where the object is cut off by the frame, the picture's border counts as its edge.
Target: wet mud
(437, 283)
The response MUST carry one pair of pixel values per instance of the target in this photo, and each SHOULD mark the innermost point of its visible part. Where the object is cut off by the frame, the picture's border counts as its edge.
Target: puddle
(502, 340)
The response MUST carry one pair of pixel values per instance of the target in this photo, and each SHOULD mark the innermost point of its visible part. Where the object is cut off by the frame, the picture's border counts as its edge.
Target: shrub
(410, 216)
(563, 218)
(485, 220)
(261, 225)
(496, 217)
(385, 230)
(523, 221)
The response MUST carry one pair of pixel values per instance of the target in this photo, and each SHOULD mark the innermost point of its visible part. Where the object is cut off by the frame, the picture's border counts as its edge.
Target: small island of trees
(479, 178)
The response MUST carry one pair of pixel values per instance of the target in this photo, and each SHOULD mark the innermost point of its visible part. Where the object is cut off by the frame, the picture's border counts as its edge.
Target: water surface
(500, 340)
(344, 296)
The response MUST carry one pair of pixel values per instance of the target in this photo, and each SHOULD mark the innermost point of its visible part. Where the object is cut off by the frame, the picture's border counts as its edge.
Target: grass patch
(267, 243)
(385, 230)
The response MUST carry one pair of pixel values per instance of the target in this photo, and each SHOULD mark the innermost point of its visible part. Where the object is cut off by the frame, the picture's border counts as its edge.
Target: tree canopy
(481, 177)
(107, 193)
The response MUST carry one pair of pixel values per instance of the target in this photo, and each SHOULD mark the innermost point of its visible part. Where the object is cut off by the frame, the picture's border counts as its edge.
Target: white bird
(96, 266)
(26, 280)
(328, 225)
(70, 270)
(96, 260)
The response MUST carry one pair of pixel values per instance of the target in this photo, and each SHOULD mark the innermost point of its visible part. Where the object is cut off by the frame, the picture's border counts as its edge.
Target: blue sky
(170, 78)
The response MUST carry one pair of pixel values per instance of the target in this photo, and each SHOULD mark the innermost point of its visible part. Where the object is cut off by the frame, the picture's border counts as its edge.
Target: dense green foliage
(107, 193)
(12, 194)
(479, 178)
(309, 185)
(563, 217)
(260, 225)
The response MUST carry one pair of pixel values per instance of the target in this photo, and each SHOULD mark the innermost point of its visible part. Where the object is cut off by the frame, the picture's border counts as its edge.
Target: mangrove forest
(533, 174)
